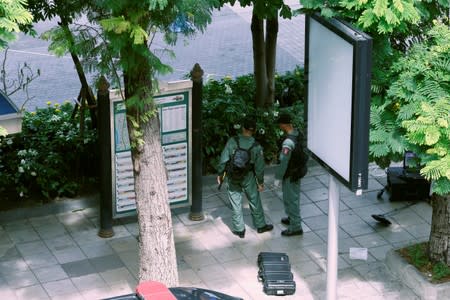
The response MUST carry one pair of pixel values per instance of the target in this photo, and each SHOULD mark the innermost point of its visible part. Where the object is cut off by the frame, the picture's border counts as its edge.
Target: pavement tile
(324, 205)
(34, 292)
(323, 234)
(306, 268)
(78, 268)
(89, 282)
(51, 273)
(69, 255)
(96, 249)
(85, 237)
(23, 235)
(370, 240)
(50, 231)
(420, 231)
(9, 252)
(212, 272)
(122, 288)
(59, 243)
(380, 252)
(348, 217)
(105, 263)
(13, 266)
(8, 293)
(124, 244)
(21, 279)
(60, 288)
(40, 259)
(188, 277)
(227, 254)
(317, 222)
(395, 234)
(32, 247)
(115, 276)
(49, 220)
(310, 210)
(131, 260)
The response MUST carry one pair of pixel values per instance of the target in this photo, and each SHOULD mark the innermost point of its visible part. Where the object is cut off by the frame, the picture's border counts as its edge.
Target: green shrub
(226, 102)
(47, 155)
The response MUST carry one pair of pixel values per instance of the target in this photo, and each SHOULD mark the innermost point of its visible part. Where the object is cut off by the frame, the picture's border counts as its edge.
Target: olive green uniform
(247, 185)
(290, 189)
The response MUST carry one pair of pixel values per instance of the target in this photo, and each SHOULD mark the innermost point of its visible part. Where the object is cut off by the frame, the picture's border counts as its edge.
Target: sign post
(338, 69)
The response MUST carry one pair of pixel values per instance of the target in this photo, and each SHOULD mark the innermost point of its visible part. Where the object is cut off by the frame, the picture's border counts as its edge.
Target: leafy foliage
(46, 156)
(421, 96)
(13, 14)
(227, 101)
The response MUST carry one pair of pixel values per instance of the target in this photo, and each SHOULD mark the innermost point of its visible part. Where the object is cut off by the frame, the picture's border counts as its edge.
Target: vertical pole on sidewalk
(333, 226)
(196, 213)
(104, 142)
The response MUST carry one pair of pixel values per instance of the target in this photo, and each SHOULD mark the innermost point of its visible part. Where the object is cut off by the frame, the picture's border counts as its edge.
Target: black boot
(240, 234)
(267, 227)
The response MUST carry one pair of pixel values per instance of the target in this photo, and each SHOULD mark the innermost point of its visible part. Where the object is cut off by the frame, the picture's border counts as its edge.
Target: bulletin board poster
(174, 107)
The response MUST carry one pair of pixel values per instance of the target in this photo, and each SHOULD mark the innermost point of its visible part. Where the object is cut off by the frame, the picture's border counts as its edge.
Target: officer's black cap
(284, 118)
(249, 124)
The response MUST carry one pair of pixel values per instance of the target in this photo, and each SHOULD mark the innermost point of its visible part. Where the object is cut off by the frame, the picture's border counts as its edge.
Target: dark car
(155, 290)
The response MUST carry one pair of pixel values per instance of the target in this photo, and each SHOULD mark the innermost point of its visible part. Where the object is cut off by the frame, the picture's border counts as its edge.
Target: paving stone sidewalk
(59, 255)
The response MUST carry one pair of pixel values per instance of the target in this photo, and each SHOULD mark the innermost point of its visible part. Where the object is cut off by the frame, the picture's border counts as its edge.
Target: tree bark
(156, 241)
(259, 60)
(439, 242)
(271, 53)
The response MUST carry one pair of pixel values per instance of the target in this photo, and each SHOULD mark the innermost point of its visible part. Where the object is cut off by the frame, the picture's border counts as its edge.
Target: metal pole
(104, 141)
(196, 213)
(333, 225)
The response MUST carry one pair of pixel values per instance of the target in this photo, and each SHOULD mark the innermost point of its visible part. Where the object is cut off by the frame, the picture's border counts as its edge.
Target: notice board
(174, 107)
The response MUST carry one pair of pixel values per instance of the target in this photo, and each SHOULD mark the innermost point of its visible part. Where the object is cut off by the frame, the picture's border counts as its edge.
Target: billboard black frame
(360, 115)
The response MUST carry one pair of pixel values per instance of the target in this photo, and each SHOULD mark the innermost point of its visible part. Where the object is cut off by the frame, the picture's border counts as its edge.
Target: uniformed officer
(290, 188)
(251, 184)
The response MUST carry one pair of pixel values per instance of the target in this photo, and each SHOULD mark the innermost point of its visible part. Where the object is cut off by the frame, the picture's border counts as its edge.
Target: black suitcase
(272, 257)
(277, 288)
(275, 273)
(276, 276)
(404, 185)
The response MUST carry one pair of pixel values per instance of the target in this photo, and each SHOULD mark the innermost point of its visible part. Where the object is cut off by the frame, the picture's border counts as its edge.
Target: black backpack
(297, 166)
(239, 164)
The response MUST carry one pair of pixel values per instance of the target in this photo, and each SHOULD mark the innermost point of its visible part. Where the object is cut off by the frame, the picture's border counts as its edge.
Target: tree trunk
(439, 244)
(156, 241)
(259, 60)
(271, 53)
(81, 75)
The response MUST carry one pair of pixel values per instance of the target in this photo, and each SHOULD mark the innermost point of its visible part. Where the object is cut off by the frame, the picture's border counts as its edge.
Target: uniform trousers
(291, 200)
(236, 189)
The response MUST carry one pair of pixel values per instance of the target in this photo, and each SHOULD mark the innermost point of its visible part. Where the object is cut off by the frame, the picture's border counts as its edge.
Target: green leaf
(380, 7)
(117, 25)
(138, 35)
(432, 135)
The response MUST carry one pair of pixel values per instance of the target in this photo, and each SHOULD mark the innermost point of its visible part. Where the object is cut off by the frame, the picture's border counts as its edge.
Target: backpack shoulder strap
(292, 137)
(255, 143)
(236, 139)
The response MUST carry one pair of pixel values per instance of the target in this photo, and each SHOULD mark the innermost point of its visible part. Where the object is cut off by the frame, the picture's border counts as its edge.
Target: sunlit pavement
(59, 255)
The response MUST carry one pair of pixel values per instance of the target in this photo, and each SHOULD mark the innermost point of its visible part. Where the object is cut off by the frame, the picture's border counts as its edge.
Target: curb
(411, 277)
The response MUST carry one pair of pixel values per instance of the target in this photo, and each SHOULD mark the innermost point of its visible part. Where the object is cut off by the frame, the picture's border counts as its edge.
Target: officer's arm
(285, 155)
(224, 158)
(259, 165)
